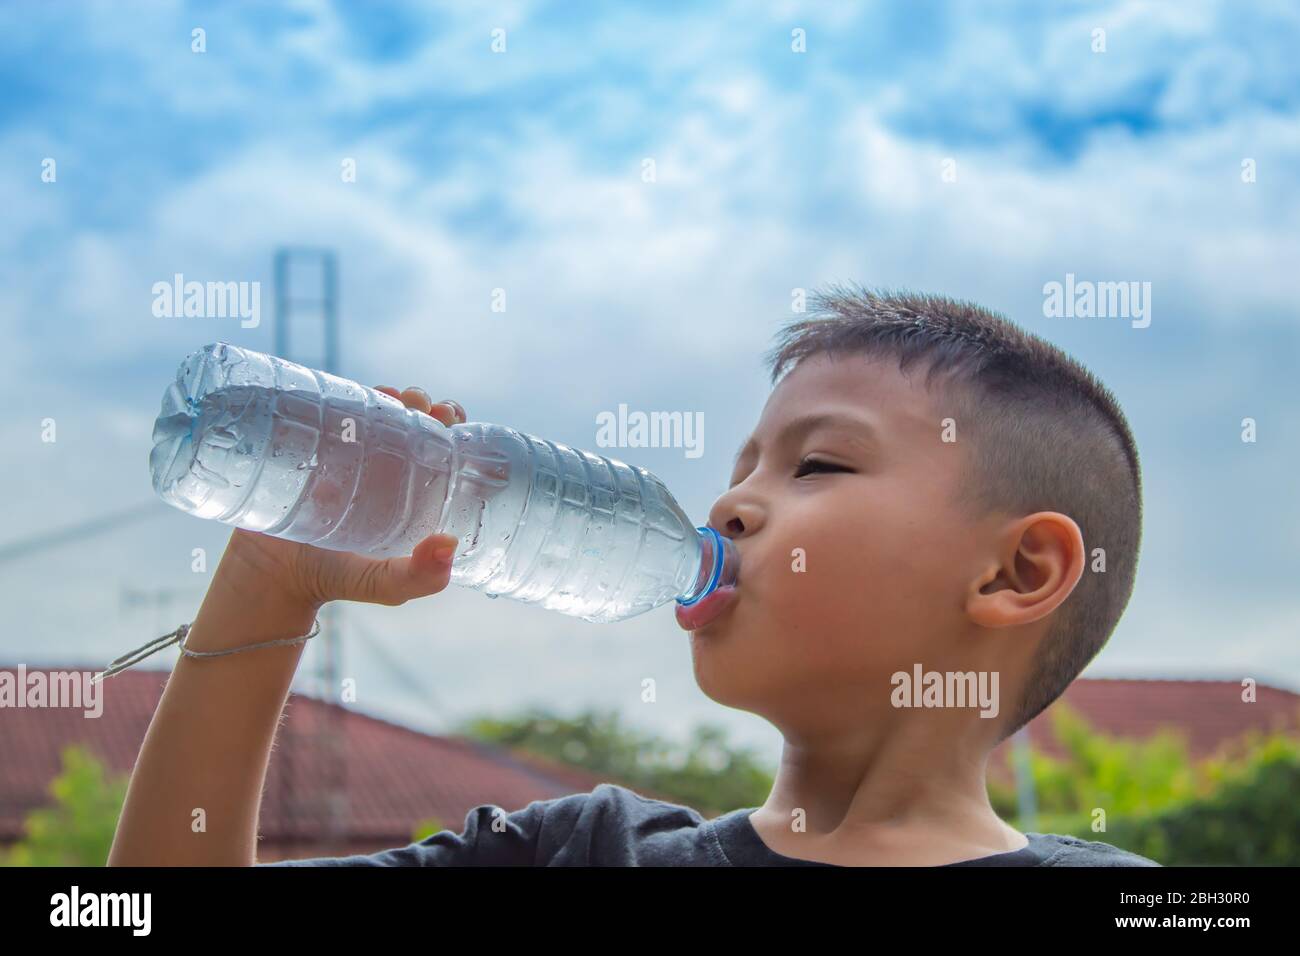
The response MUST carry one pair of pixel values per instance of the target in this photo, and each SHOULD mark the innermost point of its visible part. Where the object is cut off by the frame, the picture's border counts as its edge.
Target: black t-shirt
(614, 826)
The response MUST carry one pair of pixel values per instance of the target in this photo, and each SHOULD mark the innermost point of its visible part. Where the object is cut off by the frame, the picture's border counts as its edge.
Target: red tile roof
(392, 776)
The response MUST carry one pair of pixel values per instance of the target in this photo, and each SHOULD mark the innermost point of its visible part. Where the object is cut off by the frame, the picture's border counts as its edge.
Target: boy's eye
(811, 465)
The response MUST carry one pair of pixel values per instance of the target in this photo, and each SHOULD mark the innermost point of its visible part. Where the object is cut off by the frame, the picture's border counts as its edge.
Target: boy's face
(887, 559)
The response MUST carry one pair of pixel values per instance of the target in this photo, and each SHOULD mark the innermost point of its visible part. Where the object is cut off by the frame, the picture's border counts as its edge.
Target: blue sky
(522, 170)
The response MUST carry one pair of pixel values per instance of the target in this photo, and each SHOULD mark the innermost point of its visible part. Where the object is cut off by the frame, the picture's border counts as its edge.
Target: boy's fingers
(417, 398)
(446, 411)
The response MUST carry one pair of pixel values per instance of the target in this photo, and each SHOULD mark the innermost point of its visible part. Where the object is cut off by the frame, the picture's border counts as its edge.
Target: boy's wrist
(244, 605)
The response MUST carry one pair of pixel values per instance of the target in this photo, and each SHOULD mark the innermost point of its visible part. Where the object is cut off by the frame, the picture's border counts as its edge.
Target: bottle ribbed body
(261, 443)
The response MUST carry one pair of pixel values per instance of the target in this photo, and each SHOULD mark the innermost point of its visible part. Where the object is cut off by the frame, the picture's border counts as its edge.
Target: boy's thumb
(394, 581)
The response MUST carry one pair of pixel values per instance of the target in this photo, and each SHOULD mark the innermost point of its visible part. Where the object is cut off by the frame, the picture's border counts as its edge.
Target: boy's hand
(307, 576)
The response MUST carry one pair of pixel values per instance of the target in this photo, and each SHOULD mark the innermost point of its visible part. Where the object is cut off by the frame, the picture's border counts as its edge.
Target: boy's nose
(734, 518)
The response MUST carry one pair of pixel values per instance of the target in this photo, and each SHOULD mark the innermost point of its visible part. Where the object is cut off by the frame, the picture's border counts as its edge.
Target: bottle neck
(719, 566)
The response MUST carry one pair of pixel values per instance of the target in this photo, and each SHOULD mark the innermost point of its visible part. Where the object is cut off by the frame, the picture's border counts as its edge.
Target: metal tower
(313, 758)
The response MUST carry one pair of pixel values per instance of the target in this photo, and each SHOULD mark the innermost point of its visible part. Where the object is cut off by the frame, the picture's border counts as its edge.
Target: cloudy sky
(978, 151)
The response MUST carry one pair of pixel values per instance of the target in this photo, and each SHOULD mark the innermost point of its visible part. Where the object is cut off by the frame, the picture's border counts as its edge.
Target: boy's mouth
(706, 611)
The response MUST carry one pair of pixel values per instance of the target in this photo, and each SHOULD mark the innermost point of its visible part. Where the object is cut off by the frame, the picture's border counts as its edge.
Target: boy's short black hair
(1043, 434)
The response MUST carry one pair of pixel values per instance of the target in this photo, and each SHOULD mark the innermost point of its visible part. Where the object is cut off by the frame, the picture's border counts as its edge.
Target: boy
(922, 495)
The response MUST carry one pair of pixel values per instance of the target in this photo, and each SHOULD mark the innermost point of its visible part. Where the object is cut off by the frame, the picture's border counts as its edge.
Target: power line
(398, 670)
(43, 542)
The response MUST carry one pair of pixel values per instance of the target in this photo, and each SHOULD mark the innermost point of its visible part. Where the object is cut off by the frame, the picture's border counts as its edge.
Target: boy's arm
(197, 783)
(194, 793)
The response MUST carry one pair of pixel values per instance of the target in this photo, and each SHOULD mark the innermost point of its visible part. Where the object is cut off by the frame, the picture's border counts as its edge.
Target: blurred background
(547, 210)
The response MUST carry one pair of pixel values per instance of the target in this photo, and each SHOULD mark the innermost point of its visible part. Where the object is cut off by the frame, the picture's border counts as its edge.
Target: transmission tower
(313, 760)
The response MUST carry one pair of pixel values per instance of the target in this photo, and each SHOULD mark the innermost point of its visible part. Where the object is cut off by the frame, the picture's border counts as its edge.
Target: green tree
(1236, 808)
(705, 772)
(78, 829)
(426, 828)
(1251, 819)
(1119, 775)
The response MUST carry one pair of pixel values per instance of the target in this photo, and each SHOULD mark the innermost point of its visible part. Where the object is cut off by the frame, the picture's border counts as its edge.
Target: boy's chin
(726, 671)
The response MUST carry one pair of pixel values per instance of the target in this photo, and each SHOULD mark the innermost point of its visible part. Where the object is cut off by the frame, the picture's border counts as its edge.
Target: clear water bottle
(265, 444)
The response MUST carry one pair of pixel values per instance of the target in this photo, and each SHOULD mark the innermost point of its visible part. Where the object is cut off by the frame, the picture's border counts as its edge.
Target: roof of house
(393, 776)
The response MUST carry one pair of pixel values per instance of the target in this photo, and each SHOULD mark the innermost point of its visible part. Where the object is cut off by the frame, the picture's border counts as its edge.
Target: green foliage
(1251, 819)
(426, 828)
(1125, 777)
(1235, 809)
(705, 772)
(78, 829)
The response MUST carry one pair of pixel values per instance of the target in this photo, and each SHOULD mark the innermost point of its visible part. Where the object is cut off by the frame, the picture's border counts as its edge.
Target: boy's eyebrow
(806, 423)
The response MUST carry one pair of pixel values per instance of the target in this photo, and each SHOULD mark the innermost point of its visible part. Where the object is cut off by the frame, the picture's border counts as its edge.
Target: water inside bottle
(255, 442)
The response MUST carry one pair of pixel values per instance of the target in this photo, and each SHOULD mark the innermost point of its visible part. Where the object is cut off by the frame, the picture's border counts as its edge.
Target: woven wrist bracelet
(178, 637)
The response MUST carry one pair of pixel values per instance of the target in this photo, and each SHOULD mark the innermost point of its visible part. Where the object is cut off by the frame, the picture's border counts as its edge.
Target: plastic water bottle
(265, 444)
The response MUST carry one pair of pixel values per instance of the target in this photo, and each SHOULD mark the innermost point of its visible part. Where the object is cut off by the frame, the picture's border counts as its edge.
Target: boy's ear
(1039, 561)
